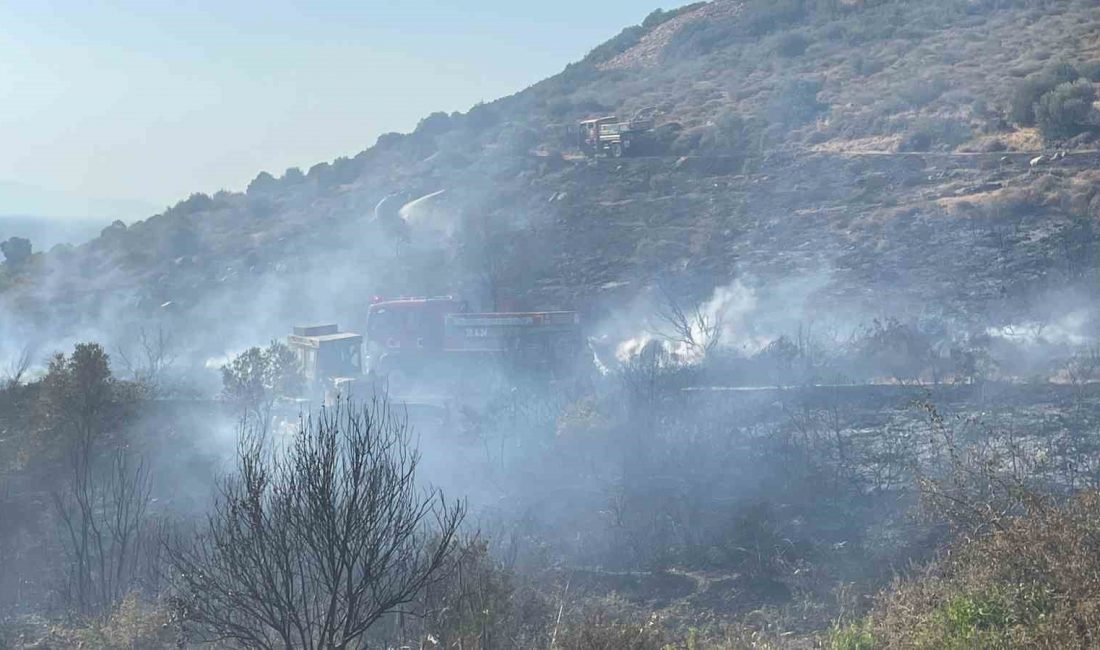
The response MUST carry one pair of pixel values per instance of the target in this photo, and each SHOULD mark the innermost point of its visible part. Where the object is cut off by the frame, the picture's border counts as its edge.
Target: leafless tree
(693, 328)
(1083, 366)
(980, 485)
(110, 542)
(150, 358)
(17, 368)
(309, 546)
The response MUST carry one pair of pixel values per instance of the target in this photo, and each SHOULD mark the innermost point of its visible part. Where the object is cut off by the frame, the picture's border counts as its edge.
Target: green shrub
(928, 133)
(916, 140)
(1030, 582)
(660, 16)
(856, 636)
(794, 102)
(763, 17)
(264, 182)
(435, 124)
(922, 92)
(16, 251)
(730, 133)
(481, 117)
(622, 42)
(1033, 87)
(791, 44)
(197, 202)
(1090, 70)
(966, 616)
(864, 67)
(700, 38)
(1064, 112)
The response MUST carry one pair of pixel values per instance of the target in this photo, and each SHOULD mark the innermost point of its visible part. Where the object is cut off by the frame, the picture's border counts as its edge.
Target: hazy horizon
(145, 103)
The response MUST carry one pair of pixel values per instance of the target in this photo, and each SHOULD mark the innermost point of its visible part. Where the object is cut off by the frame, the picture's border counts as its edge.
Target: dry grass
(134, 625)
(870, 144)
(1022, 139)
(1034, 582)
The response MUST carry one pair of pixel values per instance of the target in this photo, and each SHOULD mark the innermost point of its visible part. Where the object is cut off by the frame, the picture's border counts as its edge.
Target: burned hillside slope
(874, 145)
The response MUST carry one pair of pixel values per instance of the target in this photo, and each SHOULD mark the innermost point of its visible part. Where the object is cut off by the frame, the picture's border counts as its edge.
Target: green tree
(257, 377)
(794, 102)
(16, 250)
(1065, 111)
(82, 402)
(1028, 92)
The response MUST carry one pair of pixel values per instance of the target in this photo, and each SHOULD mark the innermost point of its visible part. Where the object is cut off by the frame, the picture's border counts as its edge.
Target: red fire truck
(418, 336)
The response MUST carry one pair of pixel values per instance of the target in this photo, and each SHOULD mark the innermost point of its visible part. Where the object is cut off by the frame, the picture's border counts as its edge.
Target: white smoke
(1069, 329)
(740, 317)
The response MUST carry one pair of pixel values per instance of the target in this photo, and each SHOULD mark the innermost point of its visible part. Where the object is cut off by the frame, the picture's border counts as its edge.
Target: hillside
(841, 385)
(878, 151)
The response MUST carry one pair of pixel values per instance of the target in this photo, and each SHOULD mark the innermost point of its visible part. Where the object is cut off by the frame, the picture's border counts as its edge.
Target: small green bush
(1090, 70)
(929, 133)
(1030, 582)
(16, 251)
(795, 103)
(763, 17)
(856, 636)
(197, 202)
(660, 16)
(966, 616)
(622, 42)
(1033, 87)
(699, 38)
(1064, 112)
(864, 67)
(922, 92)
(791, 44)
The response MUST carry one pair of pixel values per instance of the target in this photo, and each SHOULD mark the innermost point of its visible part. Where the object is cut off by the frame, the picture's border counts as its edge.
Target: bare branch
(311, 545)
(17, 368)
(152, 358)
(694, 329)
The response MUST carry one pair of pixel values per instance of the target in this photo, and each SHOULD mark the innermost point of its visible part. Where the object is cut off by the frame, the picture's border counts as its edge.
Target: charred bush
(311, 545)
(480, 603)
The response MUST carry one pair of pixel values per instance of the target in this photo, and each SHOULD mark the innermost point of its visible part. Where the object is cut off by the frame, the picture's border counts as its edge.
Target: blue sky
(150, 100)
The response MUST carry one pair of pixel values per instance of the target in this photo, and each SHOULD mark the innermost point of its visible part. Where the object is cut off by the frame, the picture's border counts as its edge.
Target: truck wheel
(616, 150)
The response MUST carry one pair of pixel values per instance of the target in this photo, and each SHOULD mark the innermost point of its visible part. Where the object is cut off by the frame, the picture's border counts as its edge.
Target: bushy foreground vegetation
(1028, 582)
(629, 514)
